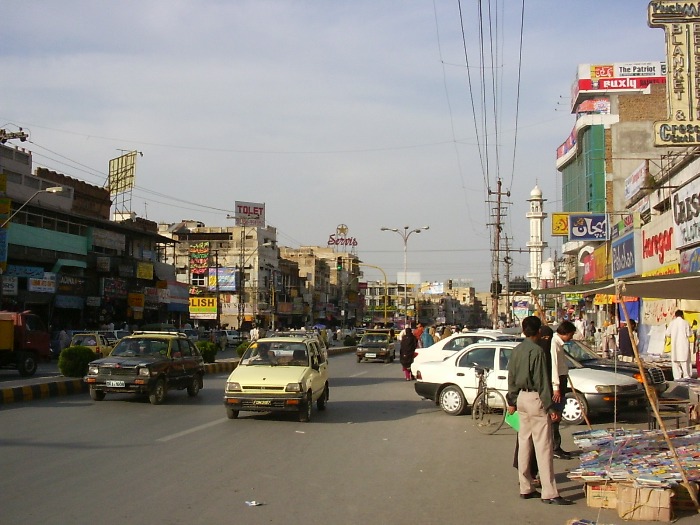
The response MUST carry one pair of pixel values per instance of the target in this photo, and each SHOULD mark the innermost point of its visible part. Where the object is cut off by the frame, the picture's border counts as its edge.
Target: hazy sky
(367, 113)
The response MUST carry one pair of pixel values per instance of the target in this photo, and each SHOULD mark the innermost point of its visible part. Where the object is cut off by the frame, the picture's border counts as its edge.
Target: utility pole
(496, 255)
(508, 261)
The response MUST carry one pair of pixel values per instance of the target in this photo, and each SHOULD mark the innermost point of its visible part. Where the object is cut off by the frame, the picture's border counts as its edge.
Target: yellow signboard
(560, 224)
(202, 305)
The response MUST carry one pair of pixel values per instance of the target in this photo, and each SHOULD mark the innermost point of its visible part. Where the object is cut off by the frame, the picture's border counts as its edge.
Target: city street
(378, 454)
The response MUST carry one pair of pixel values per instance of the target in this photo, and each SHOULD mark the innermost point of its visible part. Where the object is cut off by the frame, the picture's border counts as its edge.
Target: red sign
(620, 83)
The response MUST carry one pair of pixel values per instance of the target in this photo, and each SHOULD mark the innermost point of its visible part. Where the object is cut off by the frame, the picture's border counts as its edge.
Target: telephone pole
(498, 214)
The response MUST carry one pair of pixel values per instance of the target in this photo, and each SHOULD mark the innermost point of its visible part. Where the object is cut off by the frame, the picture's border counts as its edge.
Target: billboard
(250, 214)
(685, 204)
(121, 173)
(681, 23)
(588, 227)
(615, 77)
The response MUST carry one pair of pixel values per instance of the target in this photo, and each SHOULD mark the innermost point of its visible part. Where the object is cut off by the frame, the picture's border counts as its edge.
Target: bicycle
(489, 407)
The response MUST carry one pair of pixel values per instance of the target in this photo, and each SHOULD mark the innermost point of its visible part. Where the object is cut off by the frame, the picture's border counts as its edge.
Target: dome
(536, 192)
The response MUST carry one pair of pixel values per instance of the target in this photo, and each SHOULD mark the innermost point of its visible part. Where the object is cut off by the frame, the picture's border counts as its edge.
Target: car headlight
(144, 372)
(93, 370)
(293, 387)
(605, 389)
(233, 386)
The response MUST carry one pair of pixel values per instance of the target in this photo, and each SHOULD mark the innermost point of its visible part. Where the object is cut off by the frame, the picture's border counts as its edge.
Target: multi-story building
(65, 260)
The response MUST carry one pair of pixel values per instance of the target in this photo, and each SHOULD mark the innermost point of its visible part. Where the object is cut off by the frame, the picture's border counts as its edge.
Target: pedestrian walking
(530, 391)
(426, 339)
(609, 339)
(581, 328)
(678, 332)
(409, 343)
(63, 340)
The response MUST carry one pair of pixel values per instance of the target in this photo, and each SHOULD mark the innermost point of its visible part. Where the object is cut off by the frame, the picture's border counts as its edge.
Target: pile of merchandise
(639, 456)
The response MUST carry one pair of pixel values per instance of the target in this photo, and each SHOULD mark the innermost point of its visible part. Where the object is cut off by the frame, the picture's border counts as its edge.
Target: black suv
(148, 363)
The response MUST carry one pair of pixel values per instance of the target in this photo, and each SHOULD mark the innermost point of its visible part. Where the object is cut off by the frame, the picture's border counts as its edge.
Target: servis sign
(340, 237)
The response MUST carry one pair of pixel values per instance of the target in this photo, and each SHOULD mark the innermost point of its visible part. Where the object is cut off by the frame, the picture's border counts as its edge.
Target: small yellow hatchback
(94, 341)
(279, 374)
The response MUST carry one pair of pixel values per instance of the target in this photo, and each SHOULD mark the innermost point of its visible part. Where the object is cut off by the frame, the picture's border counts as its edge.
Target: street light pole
(52, 189)
(405, 234)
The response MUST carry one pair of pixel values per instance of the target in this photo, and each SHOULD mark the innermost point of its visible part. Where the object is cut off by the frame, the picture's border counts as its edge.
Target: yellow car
(93, 340)
(285, 374)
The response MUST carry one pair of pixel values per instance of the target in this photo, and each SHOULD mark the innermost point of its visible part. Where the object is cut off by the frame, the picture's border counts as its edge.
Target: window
(483, 357)
(504, 358)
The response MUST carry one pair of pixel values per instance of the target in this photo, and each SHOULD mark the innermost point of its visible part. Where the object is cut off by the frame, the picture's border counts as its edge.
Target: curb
(59, 387)
(62, 386)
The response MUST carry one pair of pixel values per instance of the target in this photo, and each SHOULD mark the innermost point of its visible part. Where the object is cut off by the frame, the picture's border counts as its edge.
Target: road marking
(190, 431)
(359, 374)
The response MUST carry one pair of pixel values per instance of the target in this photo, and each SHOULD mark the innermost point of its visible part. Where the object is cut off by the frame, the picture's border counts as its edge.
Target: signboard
(227, 279)
(636, 180)
(623, 259)
(121, 173)
(47, 284)
(616, 77)
(560, 224)
(686, 214)
(588, 227)
(658, 244)
(250, 214)
(680, 21)
(203, 307)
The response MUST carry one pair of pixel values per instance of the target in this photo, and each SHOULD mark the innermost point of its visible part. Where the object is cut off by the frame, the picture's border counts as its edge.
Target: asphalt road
(378, 454)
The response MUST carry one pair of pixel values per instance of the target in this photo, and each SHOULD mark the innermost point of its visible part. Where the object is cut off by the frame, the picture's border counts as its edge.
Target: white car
(452, 383)
(454, 343)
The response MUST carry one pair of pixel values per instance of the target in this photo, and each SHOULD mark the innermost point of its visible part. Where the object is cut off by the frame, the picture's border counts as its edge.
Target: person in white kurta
(678, 331)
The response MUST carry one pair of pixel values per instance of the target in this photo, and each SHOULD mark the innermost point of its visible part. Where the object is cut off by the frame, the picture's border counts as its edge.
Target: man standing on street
(530, 390)
(678, 332)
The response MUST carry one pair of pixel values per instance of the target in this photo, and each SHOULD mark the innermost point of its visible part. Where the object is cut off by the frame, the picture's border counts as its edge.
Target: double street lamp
(405, 234)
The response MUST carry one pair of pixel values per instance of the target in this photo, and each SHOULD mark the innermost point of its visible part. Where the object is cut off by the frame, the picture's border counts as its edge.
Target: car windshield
(140, 347)
(374, 338)
(276, 353)
(84, 340)
(580, 352)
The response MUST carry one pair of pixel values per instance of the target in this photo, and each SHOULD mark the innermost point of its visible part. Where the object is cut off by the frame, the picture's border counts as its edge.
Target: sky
(367, 113)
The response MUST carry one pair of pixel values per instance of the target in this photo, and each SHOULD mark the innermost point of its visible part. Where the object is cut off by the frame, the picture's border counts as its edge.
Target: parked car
(192, 334)
(287, 374)
(452, 383)
(234, 337)
(583, 354)
(454, 343)
(376, 344)
(148, 363)
(95, 341)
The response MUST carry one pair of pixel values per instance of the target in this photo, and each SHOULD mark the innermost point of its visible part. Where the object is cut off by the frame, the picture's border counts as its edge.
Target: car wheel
(97, 395)
(231, 413)
(387, 359)
(321, 402)
(305, 409)
(26, 364)
(573, 412)
(195, 386)
(157, 395)
(452, 400)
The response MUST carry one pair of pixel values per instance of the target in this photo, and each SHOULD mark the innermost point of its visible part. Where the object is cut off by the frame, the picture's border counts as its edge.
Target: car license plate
(262, 402)
(370, 354)
(115, 384)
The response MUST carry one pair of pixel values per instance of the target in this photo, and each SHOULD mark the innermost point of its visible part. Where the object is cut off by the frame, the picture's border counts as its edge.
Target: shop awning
(674, 286)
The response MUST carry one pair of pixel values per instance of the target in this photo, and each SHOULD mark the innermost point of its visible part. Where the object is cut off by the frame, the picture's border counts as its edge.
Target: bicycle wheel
(489, 411)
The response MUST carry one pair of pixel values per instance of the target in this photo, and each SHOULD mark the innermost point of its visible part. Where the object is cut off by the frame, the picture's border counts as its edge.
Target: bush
(208, 350)
(349, 341)
(73, 361)
(241, 348)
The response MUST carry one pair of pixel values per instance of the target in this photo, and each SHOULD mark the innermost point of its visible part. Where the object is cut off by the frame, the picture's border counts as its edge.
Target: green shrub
(241, 348)
(349, 341)
(208, 350)
(73, 361)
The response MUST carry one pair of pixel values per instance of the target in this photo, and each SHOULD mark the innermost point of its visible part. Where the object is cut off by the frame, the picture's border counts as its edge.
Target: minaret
(536, 245)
